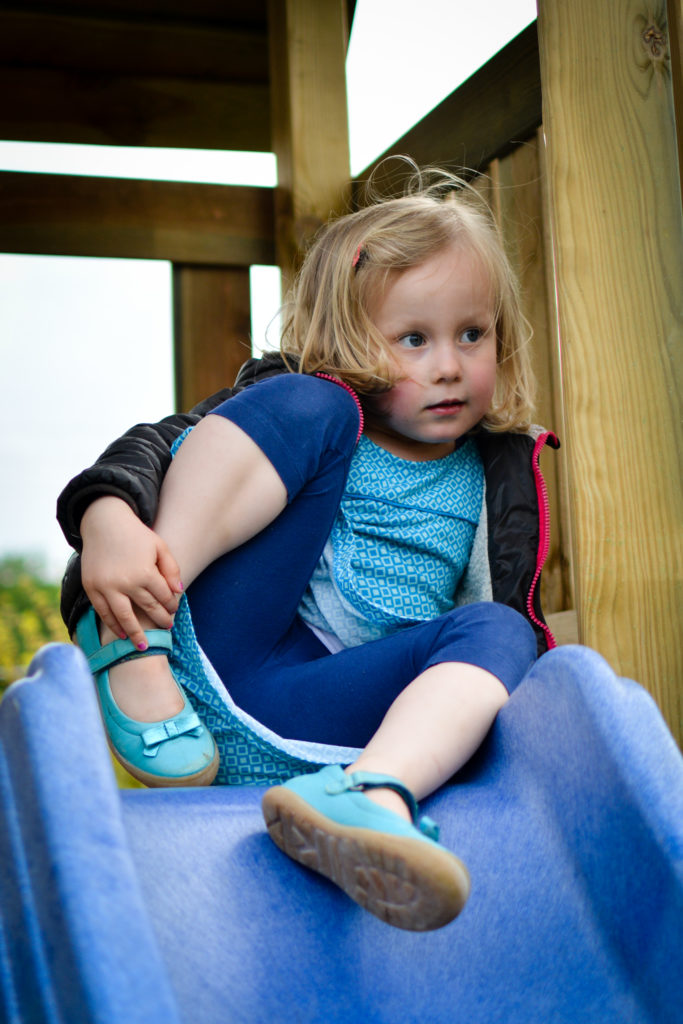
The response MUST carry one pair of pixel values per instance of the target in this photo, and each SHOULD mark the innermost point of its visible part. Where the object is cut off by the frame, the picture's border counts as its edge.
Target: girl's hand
(127, 568)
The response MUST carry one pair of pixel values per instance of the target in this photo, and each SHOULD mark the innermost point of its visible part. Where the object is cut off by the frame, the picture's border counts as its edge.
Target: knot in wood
(655, 42)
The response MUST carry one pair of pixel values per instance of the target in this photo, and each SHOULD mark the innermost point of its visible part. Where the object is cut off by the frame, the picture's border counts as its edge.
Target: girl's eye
(411, 341)
(472, 334)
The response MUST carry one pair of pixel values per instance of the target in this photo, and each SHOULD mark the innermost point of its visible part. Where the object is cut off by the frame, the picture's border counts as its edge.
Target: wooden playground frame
(575, 129)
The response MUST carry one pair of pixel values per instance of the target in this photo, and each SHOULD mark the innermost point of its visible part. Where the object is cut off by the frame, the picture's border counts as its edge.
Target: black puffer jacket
(133, 467)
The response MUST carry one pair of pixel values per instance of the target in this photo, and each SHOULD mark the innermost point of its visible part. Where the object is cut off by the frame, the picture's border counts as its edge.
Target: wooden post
(517, 199)
(212, 326)
(618, 241)
(674, 11)
(308, 40)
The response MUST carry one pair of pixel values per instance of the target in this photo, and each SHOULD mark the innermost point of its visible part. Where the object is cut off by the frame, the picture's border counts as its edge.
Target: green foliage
(29, 615)
(29, 618)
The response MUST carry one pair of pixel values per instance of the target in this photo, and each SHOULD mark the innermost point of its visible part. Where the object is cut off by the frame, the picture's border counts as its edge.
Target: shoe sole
(405, 882)
(204, 777)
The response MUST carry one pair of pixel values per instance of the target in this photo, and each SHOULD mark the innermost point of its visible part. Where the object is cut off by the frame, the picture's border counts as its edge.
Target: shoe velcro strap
(358, 781)
(372, 780)
(159, 640)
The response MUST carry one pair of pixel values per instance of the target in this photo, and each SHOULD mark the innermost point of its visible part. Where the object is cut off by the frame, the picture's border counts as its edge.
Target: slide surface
(174, 906)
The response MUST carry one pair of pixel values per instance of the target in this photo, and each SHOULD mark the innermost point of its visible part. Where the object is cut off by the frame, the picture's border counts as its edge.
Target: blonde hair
(326, 326)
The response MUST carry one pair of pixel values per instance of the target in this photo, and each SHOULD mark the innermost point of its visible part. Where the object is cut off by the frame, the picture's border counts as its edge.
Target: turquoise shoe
(396, 870)
(177, 752)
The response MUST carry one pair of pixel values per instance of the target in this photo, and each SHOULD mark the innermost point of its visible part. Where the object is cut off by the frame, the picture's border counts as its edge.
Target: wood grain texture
(517, 198)
(674, 14)
(212, 328)
(564, 627)
(308, 41)
(66, 215)
(106, 44)
(126, 110)
(618, 235)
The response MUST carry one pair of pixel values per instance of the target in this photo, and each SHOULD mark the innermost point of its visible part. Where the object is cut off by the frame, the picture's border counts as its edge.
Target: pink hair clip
(359, 257)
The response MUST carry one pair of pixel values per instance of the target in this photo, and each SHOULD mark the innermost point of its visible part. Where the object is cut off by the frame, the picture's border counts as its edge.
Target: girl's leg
(219, 487)
(269, 468)
(431, 730)
(440, 719)
(332, 822)
(435, 725)
(344, 698)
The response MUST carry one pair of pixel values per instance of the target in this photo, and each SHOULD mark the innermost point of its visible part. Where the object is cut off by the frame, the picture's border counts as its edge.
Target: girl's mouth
(448, 407)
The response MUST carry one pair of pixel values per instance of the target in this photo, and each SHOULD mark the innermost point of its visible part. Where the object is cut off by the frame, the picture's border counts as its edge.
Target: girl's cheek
(492, 380)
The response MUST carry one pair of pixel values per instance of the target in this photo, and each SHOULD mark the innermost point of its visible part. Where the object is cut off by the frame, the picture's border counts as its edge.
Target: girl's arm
(132, 468)
(105, 513)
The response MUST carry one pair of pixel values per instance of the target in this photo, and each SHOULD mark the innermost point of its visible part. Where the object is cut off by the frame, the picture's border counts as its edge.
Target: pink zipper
(541, 494)
(347, 387)
(544, 531)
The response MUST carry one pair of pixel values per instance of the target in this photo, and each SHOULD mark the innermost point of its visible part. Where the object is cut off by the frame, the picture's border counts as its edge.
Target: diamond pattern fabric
(400, 544)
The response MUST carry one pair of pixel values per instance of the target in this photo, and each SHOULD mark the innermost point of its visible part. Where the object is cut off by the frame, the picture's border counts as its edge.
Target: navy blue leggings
(244, 605)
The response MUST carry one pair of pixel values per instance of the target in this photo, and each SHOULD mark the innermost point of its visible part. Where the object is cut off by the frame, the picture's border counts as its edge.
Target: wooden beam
(139, 46)
(78, 216)
(499, 106)
(517, 197)
(618, 231)
(674, 10)
(248, 13)
(309, 118)
(104, 109)
(212, 329)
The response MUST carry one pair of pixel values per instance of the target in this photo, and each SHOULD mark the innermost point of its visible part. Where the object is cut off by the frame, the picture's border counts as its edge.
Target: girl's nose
(447, 364)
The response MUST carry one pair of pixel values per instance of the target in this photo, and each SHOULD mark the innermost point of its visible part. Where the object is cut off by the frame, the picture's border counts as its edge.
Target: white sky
(85, 344)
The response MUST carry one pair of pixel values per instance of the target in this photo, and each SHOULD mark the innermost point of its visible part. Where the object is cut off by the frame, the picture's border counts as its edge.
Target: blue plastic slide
(174, 906)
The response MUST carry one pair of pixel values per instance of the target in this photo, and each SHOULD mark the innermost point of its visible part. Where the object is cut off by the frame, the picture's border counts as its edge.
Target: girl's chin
(414, 448)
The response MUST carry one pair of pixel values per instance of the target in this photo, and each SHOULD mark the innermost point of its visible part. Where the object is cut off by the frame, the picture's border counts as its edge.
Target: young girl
(358, 527)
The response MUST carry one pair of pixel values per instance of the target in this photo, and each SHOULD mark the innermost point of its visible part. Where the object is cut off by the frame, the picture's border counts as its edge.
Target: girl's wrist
(104, 509)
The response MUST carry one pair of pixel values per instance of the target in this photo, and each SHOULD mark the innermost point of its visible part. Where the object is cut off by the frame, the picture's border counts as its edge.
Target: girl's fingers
(125, 615)
(108, 617)
(103, 609)
(103, 612)
(160, 616)
(168, 567)
(157, 592)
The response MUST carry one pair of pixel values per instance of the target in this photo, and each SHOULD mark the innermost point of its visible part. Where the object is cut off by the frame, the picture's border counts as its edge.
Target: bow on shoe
(181, 725)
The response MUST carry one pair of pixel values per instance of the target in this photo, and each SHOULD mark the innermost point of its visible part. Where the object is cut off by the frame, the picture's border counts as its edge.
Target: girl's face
(439, 321)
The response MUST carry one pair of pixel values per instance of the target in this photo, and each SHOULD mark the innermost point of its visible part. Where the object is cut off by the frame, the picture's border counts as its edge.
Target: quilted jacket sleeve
(131, 468)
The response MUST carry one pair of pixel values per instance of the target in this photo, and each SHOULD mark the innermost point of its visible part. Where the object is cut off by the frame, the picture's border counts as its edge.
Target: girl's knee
(316, 400)
(509, 625)
(304, 425)
(493, 636)
(307, 405)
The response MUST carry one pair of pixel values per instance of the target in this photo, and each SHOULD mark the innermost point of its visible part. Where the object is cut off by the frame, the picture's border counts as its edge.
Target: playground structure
(575, 127)
(170, 906)
(575, 132)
